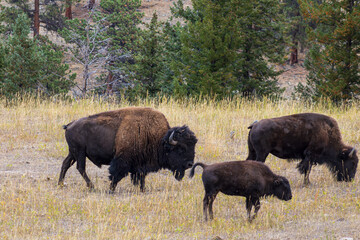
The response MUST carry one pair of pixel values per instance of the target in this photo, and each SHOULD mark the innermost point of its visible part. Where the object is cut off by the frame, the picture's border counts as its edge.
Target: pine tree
(228, 45)
(261, 30)
(49, 14)
(173, 60)
(30, 65)
(123, 19)
(333, 60)
(296, 28)
(149, 60)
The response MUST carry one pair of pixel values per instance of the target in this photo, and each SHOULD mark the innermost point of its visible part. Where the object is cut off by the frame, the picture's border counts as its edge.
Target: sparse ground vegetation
(33, 147)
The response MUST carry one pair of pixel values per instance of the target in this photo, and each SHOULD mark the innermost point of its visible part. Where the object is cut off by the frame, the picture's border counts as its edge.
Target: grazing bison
(249, 179)
(131, 140)
(313, 138)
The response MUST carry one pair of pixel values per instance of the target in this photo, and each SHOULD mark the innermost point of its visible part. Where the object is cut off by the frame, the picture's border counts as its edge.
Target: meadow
(33, 206)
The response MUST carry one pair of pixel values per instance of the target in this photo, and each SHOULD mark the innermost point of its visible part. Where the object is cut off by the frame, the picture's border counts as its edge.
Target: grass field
(32, 206)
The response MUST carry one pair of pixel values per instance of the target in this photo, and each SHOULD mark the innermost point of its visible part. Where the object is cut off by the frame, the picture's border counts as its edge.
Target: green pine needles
(333, 59)
(31, 65)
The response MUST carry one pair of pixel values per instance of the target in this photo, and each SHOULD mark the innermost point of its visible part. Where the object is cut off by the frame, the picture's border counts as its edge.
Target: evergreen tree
(50, 14)
(123, 19)
(228, 45)
(173, 59)
(149, 60)
(333, 60)
(261, 31)
(296, 28)
(29, 65)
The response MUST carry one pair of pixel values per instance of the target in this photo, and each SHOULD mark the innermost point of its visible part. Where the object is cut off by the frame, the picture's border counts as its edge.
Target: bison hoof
(61, 184)
(306, 183)
(251, 219)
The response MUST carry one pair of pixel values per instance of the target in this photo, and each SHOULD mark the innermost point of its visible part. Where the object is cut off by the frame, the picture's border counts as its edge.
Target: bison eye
(180, 150)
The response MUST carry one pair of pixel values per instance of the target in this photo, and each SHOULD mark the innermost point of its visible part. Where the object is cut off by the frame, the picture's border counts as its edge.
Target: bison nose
(289, 197)
(189, 165)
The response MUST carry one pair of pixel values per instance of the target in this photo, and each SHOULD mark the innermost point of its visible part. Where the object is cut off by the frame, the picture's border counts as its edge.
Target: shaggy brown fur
(249, 179)
(138, 130)
(313, 138)
(135, 140)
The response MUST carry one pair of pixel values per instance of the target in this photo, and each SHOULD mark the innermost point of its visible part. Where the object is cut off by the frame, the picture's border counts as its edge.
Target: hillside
(289, 79)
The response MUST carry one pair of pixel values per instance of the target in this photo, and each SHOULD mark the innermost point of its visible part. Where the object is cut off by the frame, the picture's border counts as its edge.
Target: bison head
(345, 169)
(178, 147)
(281, 188)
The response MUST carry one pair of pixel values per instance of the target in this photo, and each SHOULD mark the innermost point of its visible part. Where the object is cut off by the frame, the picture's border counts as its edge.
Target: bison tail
(192, 171)
(67, 125)
(250, 127)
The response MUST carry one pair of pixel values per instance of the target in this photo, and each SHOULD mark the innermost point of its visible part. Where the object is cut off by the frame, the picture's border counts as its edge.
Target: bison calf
(249, 179)
(313, 138)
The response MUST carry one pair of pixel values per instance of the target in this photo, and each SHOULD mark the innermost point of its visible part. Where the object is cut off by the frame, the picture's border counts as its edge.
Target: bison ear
(278, 181)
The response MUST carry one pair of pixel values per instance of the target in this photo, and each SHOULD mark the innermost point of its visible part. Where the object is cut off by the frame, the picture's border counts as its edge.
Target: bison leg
(259, 149)
(118, 170)
(206, 206)
(261, 156)
(304, 167)
(134, 179)
(138, 177)
(261, 153)
(248, 207)
(256, 203)
(252, 152)
(212, 199)
(307, 174)
(67, 163)
(80, 165)
(142, 182)
(250, 201)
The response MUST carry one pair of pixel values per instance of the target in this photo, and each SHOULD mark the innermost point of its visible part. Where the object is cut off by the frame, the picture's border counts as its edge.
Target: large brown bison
(313, 138)
(249, 179)
(131, 140)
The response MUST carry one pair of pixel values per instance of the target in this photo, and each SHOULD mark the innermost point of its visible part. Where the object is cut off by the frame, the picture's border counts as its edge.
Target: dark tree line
(218, 48)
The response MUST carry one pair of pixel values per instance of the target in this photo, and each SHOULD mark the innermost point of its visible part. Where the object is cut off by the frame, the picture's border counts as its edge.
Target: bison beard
(176, 154)
(131, 140)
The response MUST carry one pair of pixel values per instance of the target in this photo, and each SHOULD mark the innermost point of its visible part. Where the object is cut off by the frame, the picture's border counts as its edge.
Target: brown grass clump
(32, 206)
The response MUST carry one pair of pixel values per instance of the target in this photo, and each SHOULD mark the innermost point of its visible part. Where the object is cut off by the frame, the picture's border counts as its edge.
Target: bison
(249, 179)
(133, 140)
(313, 138)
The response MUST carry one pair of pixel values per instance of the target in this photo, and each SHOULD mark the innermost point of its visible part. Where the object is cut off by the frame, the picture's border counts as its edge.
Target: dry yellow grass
(32, 206)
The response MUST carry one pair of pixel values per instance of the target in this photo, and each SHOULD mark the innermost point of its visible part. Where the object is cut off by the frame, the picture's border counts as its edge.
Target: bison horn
(171, 140)
(352, 152)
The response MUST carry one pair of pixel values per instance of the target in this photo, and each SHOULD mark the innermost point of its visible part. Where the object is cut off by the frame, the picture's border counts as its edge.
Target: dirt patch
(292, 76)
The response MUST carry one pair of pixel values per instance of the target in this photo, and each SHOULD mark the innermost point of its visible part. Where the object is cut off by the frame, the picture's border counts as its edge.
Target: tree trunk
(293, 55)
(91, 4)
(37, 18)
(86, 61)
(109, 83)
(68, 12)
